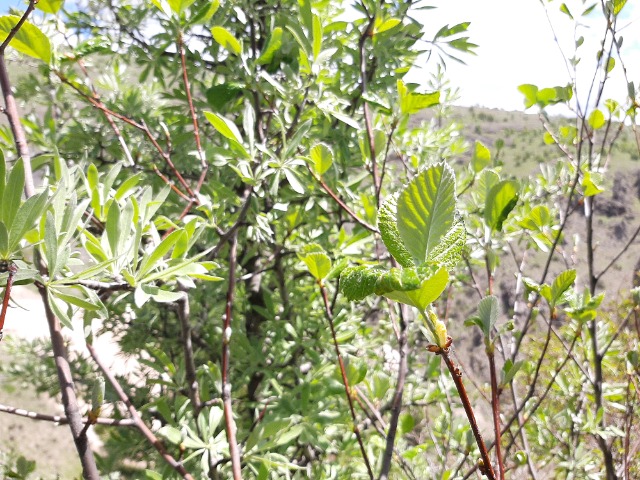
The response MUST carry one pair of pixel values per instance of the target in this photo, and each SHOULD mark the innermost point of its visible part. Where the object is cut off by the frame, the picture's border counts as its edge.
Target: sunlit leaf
(28, 40)
(425, 210)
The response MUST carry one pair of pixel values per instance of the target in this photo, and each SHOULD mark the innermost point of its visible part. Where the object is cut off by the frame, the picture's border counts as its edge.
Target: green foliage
(164, 208)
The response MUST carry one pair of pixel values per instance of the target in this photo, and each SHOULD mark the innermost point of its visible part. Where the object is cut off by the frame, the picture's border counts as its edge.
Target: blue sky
(516, 46)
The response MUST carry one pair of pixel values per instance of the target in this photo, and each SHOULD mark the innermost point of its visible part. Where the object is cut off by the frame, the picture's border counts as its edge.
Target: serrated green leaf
(226, 39)
(590, 187)
(387, 224)
(448, 252)
(502, 198)
(425, 210)
(530, 93)
(28, 40)
(359, 282)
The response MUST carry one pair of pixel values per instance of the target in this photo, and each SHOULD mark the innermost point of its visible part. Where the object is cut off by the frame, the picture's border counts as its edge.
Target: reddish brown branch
(194, 117)
(350, 393)
(137, 419)
(495, 407)
(456, 374)
(343, 205)
(230, 424)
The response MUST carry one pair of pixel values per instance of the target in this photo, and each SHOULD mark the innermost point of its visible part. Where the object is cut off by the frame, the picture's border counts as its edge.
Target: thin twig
(137, 419)
(343, 205)
(456, 374)
(350, 394)
(62, 420)
(396, 403)
(230, 423)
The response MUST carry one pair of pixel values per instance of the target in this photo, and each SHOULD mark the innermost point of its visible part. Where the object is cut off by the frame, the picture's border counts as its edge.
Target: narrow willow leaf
(502, 198)
(4, 241)
(226, 39)
(425, 210)
(224, 126)
(448, 252)
(77, 301)
(273, 45)
(26, 217)
(3, 178)
(317, 36)
(28, 40)
(387, 224)
(150, 260)
(113, 228)
(58, 310)
(13, 193)
(51, 245)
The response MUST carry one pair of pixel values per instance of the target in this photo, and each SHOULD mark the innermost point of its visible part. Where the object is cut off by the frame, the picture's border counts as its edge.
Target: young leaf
(481, 157)
(426, 209)
(28, 40)
(561, 284)
(389, 232)
(502, 198)
(316, 260)
(321, 158)
(449, 251)
(428, 291)
(487, 315)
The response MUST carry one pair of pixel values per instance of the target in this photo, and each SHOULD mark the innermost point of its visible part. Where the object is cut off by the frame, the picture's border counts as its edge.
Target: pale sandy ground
(51, 446)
